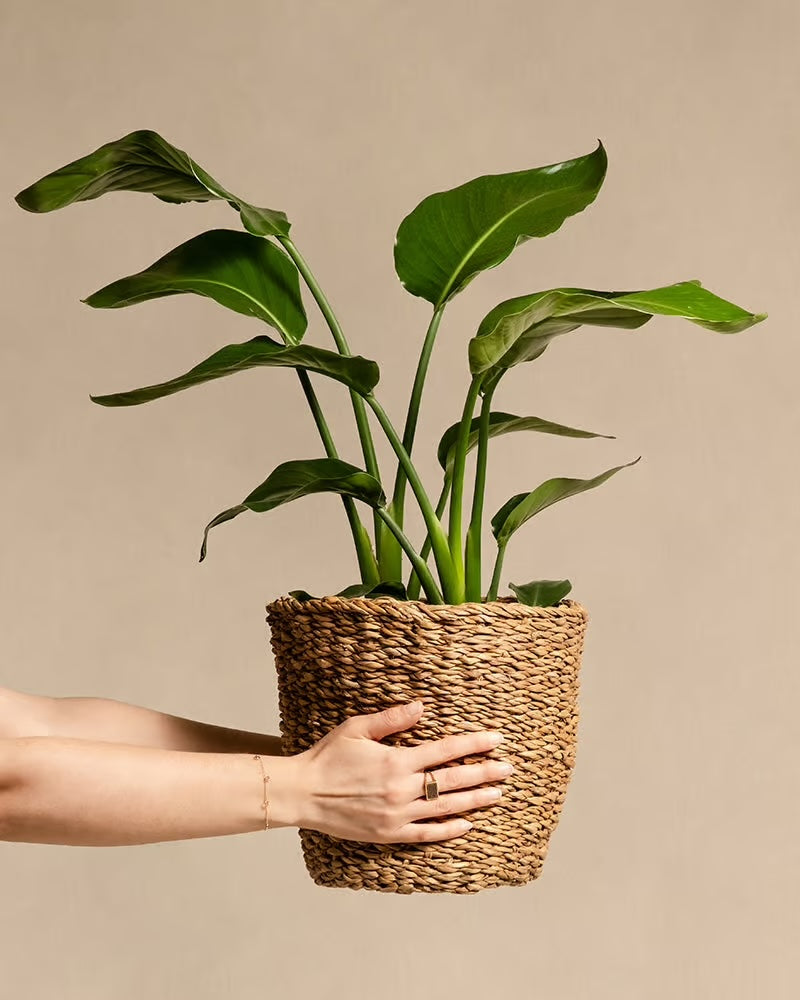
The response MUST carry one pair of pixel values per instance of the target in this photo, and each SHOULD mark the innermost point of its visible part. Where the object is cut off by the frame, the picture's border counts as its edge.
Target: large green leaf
(143, 161)
(355, 372)
(301, 478)
(519, 329)
(516, 511)
(541, 593)
(240, 271)
(504, 423)
(453, 235)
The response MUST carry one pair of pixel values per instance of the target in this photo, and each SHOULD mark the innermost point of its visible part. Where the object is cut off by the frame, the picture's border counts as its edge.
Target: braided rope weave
(499, 665)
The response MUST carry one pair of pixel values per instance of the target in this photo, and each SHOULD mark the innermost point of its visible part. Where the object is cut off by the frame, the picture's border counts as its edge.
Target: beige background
(674, 871)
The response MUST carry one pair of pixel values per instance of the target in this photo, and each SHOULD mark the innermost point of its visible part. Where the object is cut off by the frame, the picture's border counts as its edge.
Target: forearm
(105, 719)
(86, 793)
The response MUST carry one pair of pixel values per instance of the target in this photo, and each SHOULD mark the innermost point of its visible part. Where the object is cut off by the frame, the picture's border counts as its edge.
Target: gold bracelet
(265, 803)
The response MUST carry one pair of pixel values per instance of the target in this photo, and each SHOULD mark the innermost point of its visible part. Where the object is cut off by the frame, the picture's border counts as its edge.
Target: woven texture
(499, 665)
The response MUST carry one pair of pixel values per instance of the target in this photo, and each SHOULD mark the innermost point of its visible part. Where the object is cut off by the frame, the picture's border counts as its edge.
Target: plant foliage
(440, 247)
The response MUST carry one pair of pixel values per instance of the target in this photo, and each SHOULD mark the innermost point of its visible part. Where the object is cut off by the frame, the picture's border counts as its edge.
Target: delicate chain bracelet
(265, 803)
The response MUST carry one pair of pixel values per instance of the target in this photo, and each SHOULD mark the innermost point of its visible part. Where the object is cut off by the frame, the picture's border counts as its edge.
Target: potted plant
(412, 626)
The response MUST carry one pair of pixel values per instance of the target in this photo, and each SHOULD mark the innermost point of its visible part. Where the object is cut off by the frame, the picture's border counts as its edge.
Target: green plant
(441, 246)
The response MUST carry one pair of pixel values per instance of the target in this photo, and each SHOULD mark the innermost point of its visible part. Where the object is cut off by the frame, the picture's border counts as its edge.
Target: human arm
(79, 792)
(56, 790)
(106, 719)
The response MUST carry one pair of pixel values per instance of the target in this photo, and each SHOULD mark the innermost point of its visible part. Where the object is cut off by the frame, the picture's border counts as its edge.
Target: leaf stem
(472, 551)
(409, 431)
(456, 500)
(441, 552)
(494, 586)
(367, 564)
(421, 570)
(362, 423)
(413, 581)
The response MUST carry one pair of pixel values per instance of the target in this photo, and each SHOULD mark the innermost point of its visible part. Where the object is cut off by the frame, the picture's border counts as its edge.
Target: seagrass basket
(500, 665)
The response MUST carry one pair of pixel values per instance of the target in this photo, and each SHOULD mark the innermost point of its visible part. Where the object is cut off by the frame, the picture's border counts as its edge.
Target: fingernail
(465, 825)
(496, 738)
(505, 768)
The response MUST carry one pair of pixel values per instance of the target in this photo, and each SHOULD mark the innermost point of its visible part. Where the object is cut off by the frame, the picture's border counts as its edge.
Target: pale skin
(89, 771)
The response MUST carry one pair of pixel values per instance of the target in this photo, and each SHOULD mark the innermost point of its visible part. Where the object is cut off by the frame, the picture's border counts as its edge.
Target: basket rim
(382, 605)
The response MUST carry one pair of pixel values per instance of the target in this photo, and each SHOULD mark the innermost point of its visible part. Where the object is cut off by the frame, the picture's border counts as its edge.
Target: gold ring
(431, 786)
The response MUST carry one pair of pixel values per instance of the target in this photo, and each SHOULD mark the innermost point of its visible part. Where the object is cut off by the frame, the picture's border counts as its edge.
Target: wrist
(286, 790)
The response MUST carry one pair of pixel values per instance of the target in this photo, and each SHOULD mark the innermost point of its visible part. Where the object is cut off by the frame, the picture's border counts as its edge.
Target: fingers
(464, 776)
(454, 802)
(435, 752)
(424, 833)
(460, 776)
(376, 725)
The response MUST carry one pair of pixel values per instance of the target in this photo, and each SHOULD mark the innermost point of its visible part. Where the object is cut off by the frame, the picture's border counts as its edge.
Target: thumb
(391, 720)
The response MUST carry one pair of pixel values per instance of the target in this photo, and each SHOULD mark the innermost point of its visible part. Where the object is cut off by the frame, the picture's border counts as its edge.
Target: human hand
(357, 788)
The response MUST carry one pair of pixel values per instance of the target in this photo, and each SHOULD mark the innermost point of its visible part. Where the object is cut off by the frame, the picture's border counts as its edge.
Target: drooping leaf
(240, 271)
(356, 590)
(451, 236)
(541, 593)
(300, 478)
(302, 596)
(142, 161)
(387, 588)
(518, 329)
(355, 372)
(516, 511)
(504, 423)
(225, 515)
(395, 590)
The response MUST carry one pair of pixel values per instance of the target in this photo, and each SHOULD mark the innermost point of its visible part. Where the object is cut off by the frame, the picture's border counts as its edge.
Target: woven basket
(500, 665)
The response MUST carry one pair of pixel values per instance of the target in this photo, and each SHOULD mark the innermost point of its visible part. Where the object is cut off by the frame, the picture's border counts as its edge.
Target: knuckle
(394, 794)
(391, 773)
(416, 833)
(395, 764)
(443, 806)
(394, 715)
(386, 826)
(451, 746)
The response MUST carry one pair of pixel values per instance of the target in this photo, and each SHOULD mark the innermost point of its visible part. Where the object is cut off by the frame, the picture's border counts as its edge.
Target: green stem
(456, 500)
(494, 586)
(409, 431)
(413, 581)
(441, 552)
(364, 433)
(432, 592)
(472, 552)
(367, 565)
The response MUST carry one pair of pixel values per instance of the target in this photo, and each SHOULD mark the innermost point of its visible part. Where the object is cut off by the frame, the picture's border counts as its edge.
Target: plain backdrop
(674, 870)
